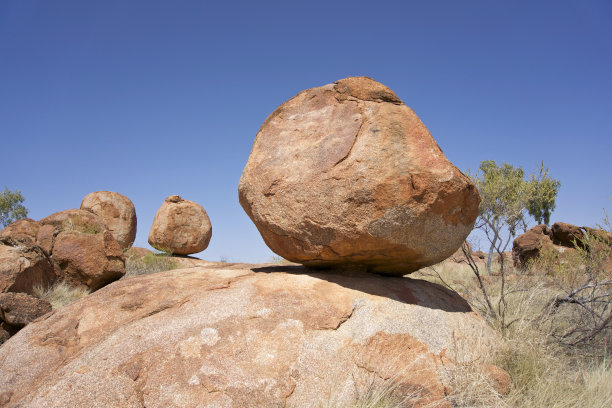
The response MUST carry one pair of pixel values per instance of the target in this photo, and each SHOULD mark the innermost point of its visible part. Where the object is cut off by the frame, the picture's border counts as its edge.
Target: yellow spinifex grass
(60, 293)
(544, 372)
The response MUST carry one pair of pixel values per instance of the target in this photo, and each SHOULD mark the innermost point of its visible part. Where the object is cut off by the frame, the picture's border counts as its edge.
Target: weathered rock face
(20, 309)
(347, 174)
(235, 337)
(116, 211)
(137, 252)
(529, 246)
(566, 234)
(542, 229)
(181, 227)
(80, 221)
(23, 265)
(25, 227)
(90, 259)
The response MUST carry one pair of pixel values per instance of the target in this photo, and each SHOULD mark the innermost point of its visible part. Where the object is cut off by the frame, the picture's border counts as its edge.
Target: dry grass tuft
(148, 264)
(60, 294)
(375, 393)
(544, 371)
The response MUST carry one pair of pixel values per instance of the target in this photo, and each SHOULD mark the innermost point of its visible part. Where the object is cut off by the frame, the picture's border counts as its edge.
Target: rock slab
(242, 336)
(347, 174)
(181, 227)
(117, 212)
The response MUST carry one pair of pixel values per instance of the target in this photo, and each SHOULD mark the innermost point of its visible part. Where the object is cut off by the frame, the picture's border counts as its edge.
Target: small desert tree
(507, 199)
(542, 191)
(11, 208)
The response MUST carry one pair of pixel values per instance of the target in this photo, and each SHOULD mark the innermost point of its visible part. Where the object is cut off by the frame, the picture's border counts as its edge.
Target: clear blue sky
(153, 98)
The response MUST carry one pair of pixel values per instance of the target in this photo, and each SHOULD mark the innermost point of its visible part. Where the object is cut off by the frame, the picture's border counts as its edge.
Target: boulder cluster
(559, 239)
(85, 247)
(72, 245)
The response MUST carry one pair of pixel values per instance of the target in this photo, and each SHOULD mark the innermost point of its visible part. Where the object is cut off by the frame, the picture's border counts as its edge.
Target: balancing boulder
(346, 175)
(180, 227)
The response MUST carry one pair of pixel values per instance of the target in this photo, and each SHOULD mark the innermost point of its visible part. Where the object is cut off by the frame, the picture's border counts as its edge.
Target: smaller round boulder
(529, 246)
(118, 213)
(180, 227)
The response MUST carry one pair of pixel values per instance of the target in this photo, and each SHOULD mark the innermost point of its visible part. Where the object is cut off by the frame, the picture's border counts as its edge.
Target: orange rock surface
(346, 174)
(243, 336)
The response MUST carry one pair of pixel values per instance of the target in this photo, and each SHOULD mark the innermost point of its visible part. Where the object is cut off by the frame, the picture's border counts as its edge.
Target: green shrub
(11, 207)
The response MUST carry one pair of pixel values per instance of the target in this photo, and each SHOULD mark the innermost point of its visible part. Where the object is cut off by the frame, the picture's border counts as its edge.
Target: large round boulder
(116, 211)
(347, 174)
(180, 227)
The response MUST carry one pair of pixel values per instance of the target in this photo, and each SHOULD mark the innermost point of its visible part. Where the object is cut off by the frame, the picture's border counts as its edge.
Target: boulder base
(243, 336)
(347, 174)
